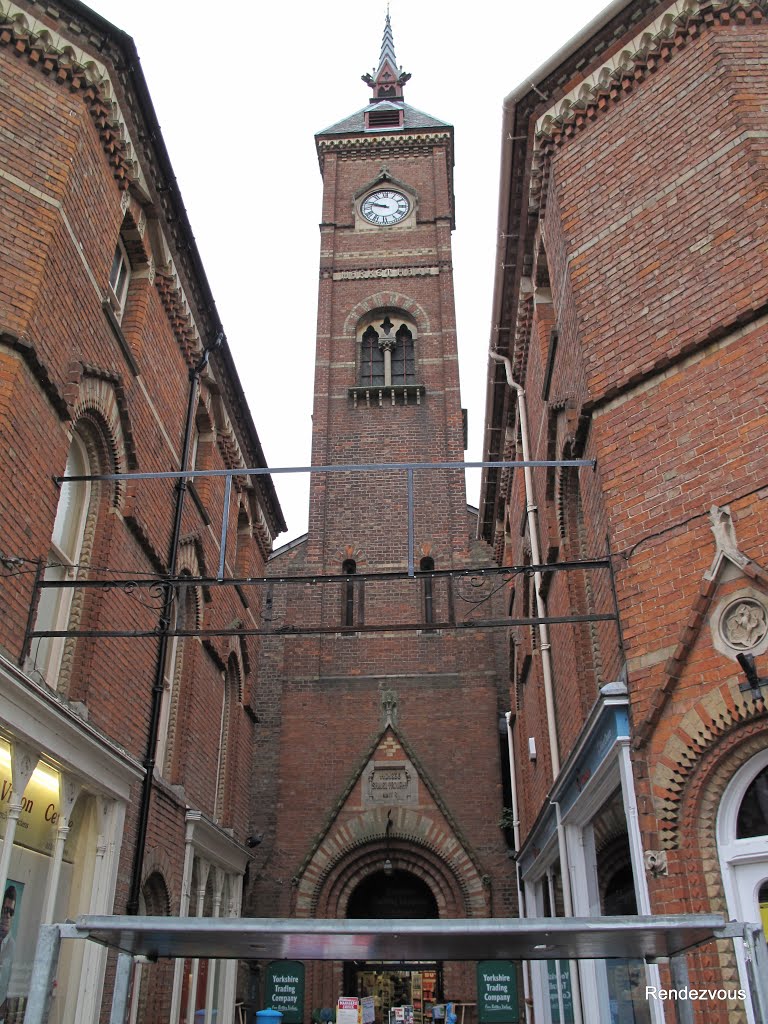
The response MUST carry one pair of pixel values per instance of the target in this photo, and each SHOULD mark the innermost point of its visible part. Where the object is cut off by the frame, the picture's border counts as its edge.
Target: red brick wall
(61, 220)
(320, 707)
(653, 243)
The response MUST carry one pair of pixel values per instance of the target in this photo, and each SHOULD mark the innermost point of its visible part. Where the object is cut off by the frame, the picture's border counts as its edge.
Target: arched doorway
(401, 991)
(742, 839)
(384, 895)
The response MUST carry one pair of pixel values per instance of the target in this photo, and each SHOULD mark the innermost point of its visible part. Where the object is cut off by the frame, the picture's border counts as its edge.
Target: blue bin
(268, 1016)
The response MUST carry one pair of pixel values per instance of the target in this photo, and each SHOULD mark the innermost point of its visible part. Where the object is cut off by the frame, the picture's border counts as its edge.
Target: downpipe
(516, 841)
(132, 905)
(532, 514)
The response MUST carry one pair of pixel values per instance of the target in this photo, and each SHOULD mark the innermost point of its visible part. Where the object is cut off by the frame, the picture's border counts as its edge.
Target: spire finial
(387, 80)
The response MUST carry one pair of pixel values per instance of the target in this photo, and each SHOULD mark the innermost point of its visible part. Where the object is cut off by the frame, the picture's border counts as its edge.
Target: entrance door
(389, 895)
(742, 834)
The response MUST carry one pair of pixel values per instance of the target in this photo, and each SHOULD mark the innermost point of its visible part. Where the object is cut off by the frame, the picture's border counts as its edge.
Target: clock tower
(386, 376)
(379, 785)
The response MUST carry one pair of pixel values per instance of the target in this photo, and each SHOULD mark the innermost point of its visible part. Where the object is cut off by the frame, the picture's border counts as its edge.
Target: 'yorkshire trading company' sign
(285, 990)
(497, 992)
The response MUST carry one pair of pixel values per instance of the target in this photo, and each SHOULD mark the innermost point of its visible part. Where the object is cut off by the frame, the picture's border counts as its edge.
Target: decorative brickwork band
(418, 844)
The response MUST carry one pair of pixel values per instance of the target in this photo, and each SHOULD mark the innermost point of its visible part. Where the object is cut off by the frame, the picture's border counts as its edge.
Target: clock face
(385, 207)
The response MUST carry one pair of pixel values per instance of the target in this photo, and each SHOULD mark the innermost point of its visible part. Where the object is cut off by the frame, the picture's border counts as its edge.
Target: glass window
(403, 368)
(372, 360)
(119, 279)
(387, 354)
(66, 544)
(753, 812)
(183, 617)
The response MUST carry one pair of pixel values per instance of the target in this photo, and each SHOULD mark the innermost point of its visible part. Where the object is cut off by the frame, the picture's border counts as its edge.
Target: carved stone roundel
(743, 624)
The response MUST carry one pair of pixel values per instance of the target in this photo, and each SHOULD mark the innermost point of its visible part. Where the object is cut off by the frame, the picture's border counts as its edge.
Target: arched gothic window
(227, 743)
(54, 607)
(403, 363)
(349, 568)
(184, 617)
(387, 355)
(371, 359)
(427, 564)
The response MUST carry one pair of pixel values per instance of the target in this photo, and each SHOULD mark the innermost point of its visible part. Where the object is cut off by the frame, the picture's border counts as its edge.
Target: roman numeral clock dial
(385, 207)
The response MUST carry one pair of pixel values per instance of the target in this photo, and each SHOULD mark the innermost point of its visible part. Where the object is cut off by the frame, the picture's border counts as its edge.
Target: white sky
(240, 90)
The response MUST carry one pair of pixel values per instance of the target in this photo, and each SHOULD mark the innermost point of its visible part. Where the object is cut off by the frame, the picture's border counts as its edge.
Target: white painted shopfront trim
(35, 718)
(598, 765)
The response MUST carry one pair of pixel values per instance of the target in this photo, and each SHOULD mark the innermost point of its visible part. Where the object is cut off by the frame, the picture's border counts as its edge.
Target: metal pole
(122, 988)
(43, 974)
(410, 521)
(27, 646)
(614, 592)
(756, 956)
(342, 467)
(224, 523)
(678, 967)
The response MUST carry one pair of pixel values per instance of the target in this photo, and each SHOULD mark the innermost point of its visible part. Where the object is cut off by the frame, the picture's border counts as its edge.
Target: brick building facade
(379, 724)
(104, 315)
(631, 308)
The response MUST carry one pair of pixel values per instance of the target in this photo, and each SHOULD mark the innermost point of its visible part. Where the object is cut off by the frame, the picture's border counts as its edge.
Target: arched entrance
(401, 991)
(392, 894)
(742, 839)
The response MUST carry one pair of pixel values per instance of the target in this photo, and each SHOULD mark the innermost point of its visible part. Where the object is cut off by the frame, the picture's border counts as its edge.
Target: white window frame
(119, 279)
(741, 857)
(54, 611)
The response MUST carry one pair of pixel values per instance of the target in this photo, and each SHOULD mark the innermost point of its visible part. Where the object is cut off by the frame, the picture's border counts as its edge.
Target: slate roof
(356, 123)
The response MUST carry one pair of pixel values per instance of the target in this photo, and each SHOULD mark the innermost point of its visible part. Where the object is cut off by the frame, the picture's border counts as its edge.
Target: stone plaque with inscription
(390, 782)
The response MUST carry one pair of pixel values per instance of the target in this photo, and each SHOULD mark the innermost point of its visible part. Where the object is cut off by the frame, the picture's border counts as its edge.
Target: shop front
(590, 825)
(413, 988)
(63, 796)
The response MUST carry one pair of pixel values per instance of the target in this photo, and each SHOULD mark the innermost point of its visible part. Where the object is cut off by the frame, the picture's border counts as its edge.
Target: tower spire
(387, 80)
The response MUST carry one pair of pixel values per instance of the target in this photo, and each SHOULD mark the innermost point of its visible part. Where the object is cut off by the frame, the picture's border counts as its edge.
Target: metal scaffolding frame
(160, 584)
(656, 939)
(164, 586)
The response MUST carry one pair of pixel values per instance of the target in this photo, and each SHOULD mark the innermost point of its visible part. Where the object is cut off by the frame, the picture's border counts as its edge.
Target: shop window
(55, 604)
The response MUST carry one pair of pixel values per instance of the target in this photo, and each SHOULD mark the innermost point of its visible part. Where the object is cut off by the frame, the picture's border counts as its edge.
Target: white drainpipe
(533, 534)
(516, 841)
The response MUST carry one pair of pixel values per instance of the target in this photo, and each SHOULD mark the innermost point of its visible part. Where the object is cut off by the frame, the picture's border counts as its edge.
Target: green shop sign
(497, 992)
(560, 995)
(285, 989)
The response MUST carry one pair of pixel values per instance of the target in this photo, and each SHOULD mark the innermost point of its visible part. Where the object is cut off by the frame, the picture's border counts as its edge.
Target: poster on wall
(284, 989)
(10, 915)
